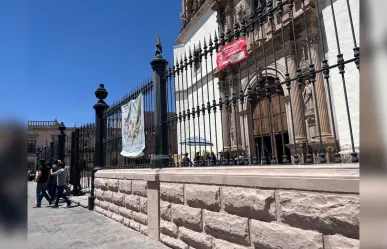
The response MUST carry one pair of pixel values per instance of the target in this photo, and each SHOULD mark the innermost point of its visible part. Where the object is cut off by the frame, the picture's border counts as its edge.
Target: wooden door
(265, 117)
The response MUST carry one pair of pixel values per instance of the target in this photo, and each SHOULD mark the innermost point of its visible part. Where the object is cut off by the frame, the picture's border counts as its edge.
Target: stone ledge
(327, 178)
(129, 174)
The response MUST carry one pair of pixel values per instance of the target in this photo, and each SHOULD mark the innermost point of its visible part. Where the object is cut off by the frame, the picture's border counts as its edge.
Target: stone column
(225, 116)
(297, 102)
(235, 118)
(229, 13)
(320, 94)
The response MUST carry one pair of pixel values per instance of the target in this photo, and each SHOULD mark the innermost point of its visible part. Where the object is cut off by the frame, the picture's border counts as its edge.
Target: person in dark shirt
(41, 183)
(186, 161)
(51, 186)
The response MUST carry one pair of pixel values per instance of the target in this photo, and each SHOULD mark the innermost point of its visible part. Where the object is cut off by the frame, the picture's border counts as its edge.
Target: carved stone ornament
(314, 39)
(241, 13)
(307, 95)
(220, 17)
(289, 50)
(230, 81)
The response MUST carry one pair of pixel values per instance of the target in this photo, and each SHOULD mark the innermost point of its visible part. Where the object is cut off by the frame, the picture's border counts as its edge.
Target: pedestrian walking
(42, 177)
(51, 186)
(67, 188)
(61, 176)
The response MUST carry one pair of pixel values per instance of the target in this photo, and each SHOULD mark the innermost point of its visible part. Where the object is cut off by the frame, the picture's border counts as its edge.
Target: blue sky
(54, 54)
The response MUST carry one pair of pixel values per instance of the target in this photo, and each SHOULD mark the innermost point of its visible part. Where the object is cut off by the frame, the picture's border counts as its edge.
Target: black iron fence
(274, 106)
(56, 149)
(113, 143)
(82, 154)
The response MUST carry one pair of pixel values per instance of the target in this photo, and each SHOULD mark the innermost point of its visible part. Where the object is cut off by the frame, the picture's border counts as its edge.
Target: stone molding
(150, 175)
(327, 178)
(205, 6)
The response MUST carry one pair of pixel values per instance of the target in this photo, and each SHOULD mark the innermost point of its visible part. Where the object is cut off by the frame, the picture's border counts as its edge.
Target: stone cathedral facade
(311, 39)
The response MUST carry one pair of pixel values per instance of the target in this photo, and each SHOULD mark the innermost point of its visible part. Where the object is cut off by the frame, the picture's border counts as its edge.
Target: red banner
(231, 53)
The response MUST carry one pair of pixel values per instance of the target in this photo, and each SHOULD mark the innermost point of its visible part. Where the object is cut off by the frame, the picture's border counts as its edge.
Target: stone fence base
(311, 207)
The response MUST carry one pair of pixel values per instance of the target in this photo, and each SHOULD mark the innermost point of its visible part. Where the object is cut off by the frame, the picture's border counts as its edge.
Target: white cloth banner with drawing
(133, 136)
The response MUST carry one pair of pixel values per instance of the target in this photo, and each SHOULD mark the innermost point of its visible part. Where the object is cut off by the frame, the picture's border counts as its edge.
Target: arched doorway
(261, 124)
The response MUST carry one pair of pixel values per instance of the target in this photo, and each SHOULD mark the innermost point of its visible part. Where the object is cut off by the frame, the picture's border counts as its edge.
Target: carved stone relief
(309, 110)
(240, 12)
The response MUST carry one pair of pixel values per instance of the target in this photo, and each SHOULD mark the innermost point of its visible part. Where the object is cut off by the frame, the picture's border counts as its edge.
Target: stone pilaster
(320, 94)
(233, 116)
(295, 95)
(229, 13)
(225, 117)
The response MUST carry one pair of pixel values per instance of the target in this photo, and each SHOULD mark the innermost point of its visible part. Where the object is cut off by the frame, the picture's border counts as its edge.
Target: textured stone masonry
(228, 227)
(173, 243)
(247, 202)
(165, 210)
(116, 199)
(169, 228)
(132, 202)
(340, 242)
(139, 188)
(272, 236)
(222, 244)
(125, 186)
(203, 196)
(187, 217)
(196, 216)
(172, 192)
(195, 239)
(113, 185)
(326, 213)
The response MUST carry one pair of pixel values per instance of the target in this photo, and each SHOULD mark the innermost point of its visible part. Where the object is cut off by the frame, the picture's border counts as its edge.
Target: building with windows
(315, 114)
(41, 134)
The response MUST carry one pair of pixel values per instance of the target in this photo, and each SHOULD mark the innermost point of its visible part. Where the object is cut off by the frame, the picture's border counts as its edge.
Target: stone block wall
(124, 201)
(288, 207)
(211, 216)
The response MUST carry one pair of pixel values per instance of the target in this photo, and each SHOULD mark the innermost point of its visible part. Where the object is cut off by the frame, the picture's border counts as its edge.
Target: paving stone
(76, 227)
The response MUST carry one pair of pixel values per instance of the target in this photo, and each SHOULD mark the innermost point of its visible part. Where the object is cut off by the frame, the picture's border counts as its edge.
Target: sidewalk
(78, 228)
(80, 200)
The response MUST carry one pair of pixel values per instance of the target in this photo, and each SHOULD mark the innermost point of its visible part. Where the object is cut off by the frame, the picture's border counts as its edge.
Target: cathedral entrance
(270, 142)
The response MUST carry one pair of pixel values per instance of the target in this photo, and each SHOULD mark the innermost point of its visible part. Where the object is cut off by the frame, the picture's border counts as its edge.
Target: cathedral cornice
(208, 4)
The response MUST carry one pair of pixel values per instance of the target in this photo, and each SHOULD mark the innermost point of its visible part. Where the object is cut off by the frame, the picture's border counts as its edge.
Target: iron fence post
(159, 66)
(45, 152)
(76, 172)
(100, 135)
(38, 157)
(72, 157)
(61, 142)
(51, 151)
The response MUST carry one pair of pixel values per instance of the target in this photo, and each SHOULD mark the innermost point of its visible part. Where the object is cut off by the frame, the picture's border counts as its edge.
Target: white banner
(133, 136)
